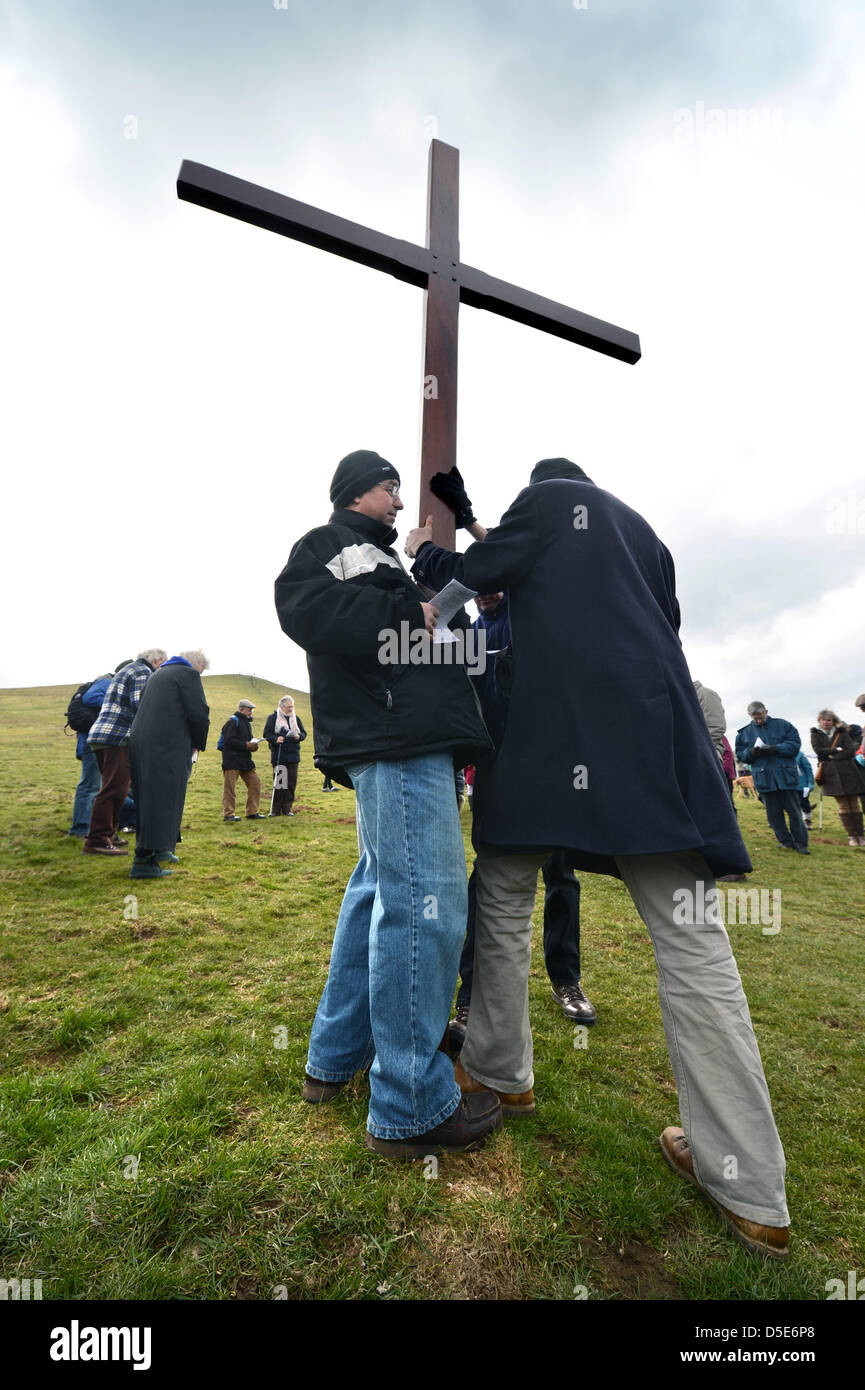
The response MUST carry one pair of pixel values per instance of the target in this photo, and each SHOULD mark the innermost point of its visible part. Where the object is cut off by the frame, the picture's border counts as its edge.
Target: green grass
(153, 1143)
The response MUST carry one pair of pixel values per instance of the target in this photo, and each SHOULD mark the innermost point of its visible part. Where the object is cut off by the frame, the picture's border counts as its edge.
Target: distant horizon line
(208, 675)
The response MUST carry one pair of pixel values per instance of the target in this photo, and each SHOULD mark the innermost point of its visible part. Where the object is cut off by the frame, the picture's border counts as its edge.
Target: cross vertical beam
(441, 320)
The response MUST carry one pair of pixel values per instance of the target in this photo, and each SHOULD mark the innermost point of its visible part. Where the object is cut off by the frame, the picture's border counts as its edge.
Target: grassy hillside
(153, 1142)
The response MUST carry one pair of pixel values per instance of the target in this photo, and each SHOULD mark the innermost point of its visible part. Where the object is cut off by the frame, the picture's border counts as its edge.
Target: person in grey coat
(652, 809)
(172, 722)
(713, 713)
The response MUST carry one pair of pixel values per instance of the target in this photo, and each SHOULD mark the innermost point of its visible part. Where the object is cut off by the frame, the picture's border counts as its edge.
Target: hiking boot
(574, 1004)
(231, 817)
(466, 1129)
(105, 848)
(166, 856)
(771, 1241)
(316, 1092)
(118, 842)
(512, 1102)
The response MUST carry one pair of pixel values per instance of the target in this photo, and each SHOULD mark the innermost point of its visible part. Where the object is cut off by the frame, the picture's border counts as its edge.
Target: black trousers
(790, 802)
(284, 787)
(561, 928)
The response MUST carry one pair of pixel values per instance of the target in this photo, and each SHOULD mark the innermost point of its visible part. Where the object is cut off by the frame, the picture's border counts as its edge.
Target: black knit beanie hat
(357, 473)
(547, 469)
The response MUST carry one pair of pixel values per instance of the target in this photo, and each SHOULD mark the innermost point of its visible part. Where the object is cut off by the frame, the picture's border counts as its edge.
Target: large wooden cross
(437, 269)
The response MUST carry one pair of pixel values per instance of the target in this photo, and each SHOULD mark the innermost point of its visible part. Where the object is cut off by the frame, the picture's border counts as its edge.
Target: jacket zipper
(389, 699)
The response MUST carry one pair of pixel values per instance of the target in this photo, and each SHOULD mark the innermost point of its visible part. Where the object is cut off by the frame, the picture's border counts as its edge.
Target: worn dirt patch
(638, 1271)
(449, 1268)
(143, 931)
(487, 1177)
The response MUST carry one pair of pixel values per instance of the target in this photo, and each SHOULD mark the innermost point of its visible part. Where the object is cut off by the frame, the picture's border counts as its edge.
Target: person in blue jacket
(806, 782)
(769, 747)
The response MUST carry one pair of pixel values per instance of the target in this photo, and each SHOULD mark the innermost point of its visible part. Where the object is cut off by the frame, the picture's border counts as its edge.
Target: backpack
(80, 717)
(220, 744)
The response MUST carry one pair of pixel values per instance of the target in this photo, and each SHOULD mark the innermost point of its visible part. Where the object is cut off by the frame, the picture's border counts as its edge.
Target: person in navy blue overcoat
(606, 754)
(596, 651)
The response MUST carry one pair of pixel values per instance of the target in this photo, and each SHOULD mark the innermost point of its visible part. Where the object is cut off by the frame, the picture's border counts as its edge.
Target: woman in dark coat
(841, 775)
(168, 727)
(284, 732)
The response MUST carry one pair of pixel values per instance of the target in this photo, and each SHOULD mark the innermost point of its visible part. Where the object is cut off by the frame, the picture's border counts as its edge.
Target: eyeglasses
(392, 489)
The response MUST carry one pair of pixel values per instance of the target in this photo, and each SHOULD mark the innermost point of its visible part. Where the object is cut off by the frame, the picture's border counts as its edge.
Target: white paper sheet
(449, 601)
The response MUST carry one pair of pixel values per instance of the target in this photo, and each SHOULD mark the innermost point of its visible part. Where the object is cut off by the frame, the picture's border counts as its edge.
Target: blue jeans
(85, 793)
(396, 948)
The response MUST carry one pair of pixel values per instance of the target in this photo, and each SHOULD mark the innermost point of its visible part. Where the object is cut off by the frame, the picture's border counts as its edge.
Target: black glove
(768, 749)
(450, 489)
(756, 752)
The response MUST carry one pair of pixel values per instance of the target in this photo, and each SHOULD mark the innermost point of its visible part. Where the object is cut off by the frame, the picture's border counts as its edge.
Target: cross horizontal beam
(482, 291)
(210, 188)
(262, 207)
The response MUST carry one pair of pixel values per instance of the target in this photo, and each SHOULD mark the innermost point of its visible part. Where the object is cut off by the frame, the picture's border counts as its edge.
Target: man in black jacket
(238, 745)
(392, 729)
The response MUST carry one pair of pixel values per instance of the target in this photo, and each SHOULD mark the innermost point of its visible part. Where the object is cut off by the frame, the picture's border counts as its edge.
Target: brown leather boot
(512, 1103)
(757, 1240)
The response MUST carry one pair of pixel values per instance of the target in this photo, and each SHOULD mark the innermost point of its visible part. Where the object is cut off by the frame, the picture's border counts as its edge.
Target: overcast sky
(180, 386)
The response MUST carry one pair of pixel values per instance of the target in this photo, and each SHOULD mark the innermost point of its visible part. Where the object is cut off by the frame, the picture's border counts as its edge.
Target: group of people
(770, 750)
(138, 739)
(554, 784)
(139, 728)
(284, 733)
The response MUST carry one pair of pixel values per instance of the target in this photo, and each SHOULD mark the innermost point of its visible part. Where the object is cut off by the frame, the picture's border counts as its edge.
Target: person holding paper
(769, 747)
(394, 730)
(238, 745)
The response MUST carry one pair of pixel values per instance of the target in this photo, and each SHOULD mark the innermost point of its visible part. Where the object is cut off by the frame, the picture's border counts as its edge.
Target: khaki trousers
(253, 790)
(724, 1102)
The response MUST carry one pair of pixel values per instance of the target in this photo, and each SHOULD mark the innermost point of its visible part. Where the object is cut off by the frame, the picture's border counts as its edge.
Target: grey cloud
(541, 87)
(733, 575)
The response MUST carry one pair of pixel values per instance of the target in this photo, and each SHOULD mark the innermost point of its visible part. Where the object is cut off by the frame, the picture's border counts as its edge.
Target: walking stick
(820, 810)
